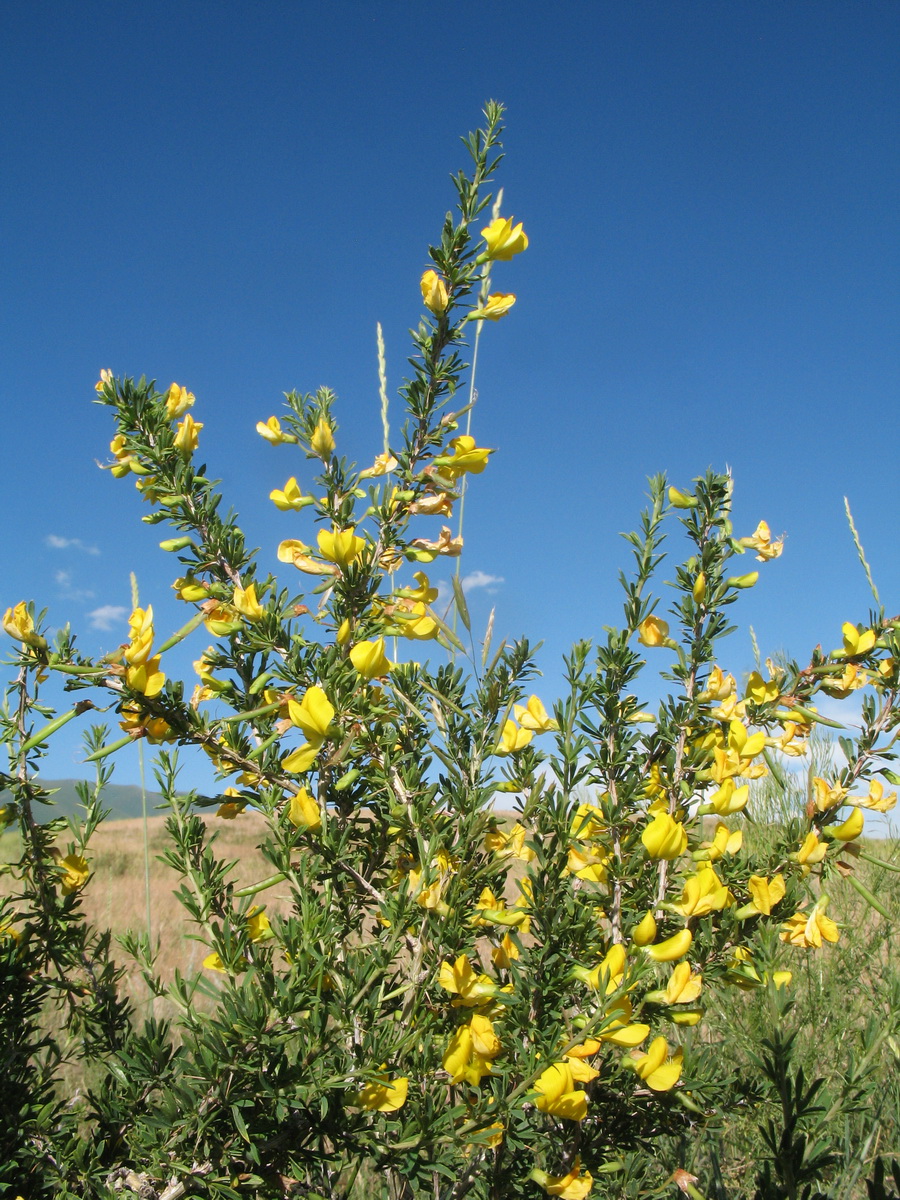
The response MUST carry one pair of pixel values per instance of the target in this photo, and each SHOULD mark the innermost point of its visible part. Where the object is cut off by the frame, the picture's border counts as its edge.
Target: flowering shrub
(453, 1003)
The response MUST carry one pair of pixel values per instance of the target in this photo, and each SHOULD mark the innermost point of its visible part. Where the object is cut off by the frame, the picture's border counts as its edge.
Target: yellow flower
(827, 795)
(534, 716)
(18, 623)
(876, 799)
(190, 589)
(213, 962)
(75, 873)
(258, 927)
(849, 830)
(471, 1050)
(341, 546)
(302, 758)
(106, 376)
(657, 1068)
(584, 863)
(300, 555)
(427, 550)
(466, 458)
(719, 686)
(725, 841)
(503, 240)
(470, 989)
(187, 436)
(434, 293)
(289, 497)
(653, 631)
(322, 440)
(609, 974)
(808, 930)
(761, 540)
(645, 931)
(497, 305)
(703, 893)
(672, 948)
(146, 678)
(233, 806)
(812, 851)
(664, 837)
(556, 1091)
(273, 433)
(178, 401)
(856, 642)
(684, 986)
(761, 691)
(512, 738)
(572, 1186)
(727, 799)
(384, 464)
(313, 714)
(303, 812)
(509, 845)
(370, 659)
(245, 601)
(765, 895)
(383, 1095)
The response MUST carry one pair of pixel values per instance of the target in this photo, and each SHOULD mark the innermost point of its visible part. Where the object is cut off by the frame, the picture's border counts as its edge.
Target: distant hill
(123, 799)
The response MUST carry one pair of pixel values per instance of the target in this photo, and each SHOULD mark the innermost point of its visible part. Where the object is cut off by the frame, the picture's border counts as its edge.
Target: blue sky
(231, 196)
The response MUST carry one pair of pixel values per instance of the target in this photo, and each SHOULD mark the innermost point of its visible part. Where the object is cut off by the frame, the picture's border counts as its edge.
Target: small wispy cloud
(481, 579)
(107, 616)
(68, 591)
(55, 542)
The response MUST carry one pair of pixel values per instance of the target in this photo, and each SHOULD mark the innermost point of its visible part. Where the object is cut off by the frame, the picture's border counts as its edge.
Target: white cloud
(55, 542)
(481, 579)
(67, 591)
(106, 616)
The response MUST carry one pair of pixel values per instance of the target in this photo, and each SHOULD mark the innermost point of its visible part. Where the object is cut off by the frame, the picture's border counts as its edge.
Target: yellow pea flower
(664, 837)
(299, 555)
(728, 799)
(505, 954)
(19, 624)
(190, 589)
(471, 990)
(258, 927)
(471, 1050)
(849, 830)
(556, 1091)
(827, 795)
(434, 293)
(574, 1185)
(289, 498)
(609, 974)
(303, 812)
(719, 686)
(313, 714)
(272, 432)
(684, 985)
(725, 841)
(681, 499)
(302, 758)
(645, 931)
(106, 376)
(657, 1068)
(246, 603)
(322, 440)
(382, 1095)
(812, 851)
(703, 893)
(427, 550)
(762, 691)
(187, 436)
(509, 845)
(496, 306)
(370, 660)
(876, 799)
(503, 240)
(672, 948)
(146, 678)
(765, 895)
(653, 631)
(232, 807)
(341, 546)
(807, 930)
(761, 541)
(512, 738)
(856, 641)
(178, 401)
(75, 873)
(467, 458)
(534, 716)
(588, 864)
(384, 464)
(213, 962)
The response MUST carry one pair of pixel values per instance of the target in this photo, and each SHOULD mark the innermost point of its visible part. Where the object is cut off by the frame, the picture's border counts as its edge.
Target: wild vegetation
(669, 968)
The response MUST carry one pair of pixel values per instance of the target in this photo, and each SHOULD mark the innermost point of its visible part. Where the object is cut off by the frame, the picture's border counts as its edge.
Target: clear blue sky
(232, 195)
